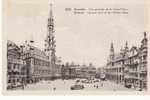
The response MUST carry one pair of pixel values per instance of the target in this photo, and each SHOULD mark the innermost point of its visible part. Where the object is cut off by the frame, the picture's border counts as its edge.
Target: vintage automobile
(87, 81)
(96, 81)
(77, 87)
(83, 81)
(15, 86)
(127, 85)
(77, 81)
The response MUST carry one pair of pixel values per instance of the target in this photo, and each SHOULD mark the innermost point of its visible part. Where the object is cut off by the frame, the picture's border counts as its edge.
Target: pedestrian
(54, 88)
(23, 86)
(96, 86)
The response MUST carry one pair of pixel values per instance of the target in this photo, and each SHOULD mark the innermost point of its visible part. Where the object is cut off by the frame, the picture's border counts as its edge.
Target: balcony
(126, 68)
(133, 71)
(130, 77)
(135, 63)
(144, 61)
(17, 61)
(143, 70)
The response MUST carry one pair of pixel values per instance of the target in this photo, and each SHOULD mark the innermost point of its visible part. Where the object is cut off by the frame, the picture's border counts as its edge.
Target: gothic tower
(112, 51)
(126, 48)
(50, 42)
(144, 41)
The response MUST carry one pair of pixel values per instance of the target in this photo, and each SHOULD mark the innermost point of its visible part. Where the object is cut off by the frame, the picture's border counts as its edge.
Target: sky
(82, 39)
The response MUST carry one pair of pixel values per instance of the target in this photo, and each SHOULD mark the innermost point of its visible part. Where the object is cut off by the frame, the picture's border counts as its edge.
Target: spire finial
(51, 9)
(126, 43)
(126, 46)
(112, 45)
(51, 5)
(144, 34)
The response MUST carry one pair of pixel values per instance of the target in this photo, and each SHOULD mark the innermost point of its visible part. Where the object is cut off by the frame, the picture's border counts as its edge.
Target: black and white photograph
(75, 46)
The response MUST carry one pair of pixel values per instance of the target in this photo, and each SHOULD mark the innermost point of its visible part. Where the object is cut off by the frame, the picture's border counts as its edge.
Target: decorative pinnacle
(126, 43)
(51, 4)
(51, 9)
(112, 45)
(144, 34)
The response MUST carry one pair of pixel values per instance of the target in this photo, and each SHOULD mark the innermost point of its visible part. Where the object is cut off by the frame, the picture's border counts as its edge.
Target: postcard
(75, 47)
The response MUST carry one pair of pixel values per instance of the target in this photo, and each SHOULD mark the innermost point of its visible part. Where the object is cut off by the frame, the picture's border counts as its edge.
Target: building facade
(90, 71)
(129, 67)
(41, 64)
(115, 65)
(16, 72)
(136, 66)
(143, 62)
(101, 73)
(65, 73)
(34, 63)
(37, 64)
(78, 71)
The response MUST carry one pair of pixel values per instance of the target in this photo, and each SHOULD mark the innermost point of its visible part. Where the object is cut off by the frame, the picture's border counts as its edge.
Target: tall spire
(50, 21)
(144, 34)
(144, 40)
(51, 14)
(112, 47)
(112, 51)
(126, 46)
(50, 39)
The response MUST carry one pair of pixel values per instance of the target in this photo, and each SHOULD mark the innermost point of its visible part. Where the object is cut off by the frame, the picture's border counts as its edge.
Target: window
(120, 69)
(122, 62)
(13, 80)
(14, 66)
(112, 64)
(9, 81)
(9, 66)
(144, 57)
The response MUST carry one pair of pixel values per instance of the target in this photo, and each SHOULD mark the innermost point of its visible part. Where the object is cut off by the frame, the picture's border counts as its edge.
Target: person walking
(54, 88)
(97, 86)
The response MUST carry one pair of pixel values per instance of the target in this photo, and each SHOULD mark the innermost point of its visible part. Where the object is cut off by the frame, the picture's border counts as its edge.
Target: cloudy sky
(81, 38)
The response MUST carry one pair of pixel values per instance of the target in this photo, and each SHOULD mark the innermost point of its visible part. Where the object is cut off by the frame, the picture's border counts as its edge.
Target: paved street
(60, 85)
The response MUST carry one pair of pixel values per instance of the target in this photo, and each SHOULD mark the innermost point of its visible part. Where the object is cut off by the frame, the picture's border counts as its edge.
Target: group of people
(97, 85)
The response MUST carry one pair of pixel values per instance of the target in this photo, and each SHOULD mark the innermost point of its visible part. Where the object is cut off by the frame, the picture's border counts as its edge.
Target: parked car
(84, 81)
(87, 81)
(77, 81)
(77, 87)
(128, 85)
(96, 81)
(14, 86)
